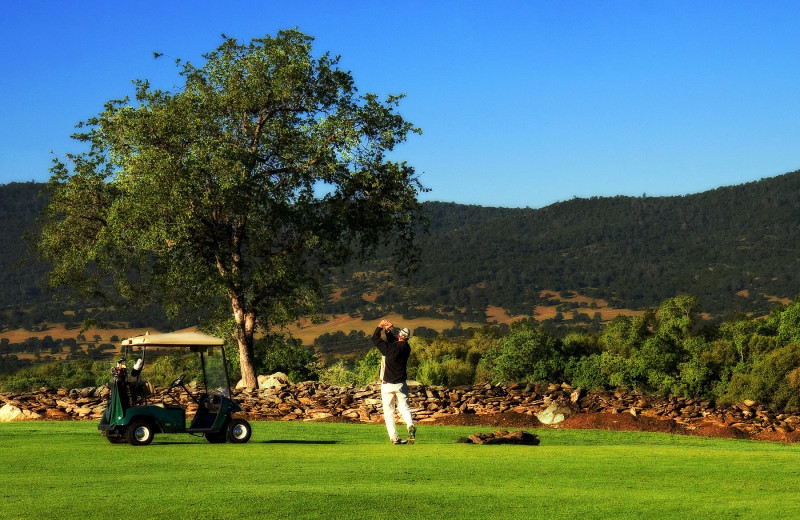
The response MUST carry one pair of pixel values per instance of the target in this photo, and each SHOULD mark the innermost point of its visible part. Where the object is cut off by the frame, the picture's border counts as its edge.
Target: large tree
(235, 191)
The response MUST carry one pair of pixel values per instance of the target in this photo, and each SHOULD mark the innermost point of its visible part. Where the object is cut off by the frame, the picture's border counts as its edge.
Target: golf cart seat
(212, 402)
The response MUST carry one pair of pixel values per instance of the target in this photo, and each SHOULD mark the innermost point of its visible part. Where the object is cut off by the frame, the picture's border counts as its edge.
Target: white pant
(395, 396)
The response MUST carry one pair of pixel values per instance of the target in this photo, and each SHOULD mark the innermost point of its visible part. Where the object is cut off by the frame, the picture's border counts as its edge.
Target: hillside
(732, 247)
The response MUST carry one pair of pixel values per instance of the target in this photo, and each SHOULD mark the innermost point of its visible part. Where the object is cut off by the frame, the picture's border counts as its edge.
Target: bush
(527, 354)
(367, 369)
(338, 375)
(458, 372)
(586, 372)
(59, 374)
(278, 353)
(430, 373)
(773, 381)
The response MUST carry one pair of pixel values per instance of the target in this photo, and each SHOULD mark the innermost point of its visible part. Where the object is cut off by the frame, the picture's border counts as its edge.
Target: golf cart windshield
(198, 358)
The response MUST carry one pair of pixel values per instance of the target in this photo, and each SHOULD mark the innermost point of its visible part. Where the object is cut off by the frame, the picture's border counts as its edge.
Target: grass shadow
(294, 441)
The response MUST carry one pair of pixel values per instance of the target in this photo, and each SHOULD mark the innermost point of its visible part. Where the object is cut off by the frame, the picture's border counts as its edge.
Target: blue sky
(520, 103)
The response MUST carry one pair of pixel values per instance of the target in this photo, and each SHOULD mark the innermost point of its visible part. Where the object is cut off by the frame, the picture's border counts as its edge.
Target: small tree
(236, 192)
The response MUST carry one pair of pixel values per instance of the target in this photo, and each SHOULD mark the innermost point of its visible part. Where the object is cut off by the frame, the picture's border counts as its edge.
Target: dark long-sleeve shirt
(396, 353)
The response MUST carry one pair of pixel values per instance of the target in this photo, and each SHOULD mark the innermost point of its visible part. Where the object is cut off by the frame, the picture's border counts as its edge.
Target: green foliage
(338, 374)
(671, 350)
(278, 353)
(788, 323)
(446, 361)
(773, 381)
(586, 372)
(80, 373)
(526, 354)
(368, 368)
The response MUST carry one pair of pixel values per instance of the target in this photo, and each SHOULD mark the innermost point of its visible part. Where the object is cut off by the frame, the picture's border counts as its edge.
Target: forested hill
(20, 276)
(729, 247)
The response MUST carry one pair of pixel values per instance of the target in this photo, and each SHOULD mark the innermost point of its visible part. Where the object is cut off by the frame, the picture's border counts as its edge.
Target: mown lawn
(322, 470)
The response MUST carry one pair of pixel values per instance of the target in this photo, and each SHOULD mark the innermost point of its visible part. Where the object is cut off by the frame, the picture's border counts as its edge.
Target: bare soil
(616, 422)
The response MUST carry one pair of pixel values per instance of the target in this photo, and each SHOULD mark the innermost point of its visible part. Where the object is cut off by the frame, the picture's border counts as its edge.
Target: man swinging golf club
(394, 388)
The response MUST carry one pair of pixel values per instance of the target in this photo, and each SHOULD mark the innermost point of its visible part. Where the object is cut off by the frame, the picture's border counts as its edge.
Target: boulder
(502, 437)
(554, 414)
(276, 380)
(9, 413)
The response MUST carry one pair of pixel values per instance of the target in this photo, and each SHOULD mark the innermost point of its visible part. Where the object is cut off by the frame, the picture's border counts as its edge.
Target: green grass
(320, 470)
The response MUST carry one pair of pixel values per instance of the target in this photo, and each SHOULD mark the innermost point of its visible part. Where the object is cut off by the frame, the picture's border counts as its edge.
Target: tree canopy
(237, 191)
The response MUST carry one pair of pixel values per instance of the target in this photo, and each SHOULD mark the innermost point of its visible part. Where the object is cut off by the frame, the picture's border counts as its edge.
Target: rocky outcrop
(502, 437)
(554, 404)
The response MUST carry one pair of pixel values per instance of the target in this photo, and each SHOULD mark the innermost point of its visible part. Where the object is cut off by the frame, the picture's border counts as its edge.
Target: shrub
(338, 375)
(586, 372)
(430, 372)
(773, 381)
(278, 353)
(367, 369)
(58, 374)
(527, 354)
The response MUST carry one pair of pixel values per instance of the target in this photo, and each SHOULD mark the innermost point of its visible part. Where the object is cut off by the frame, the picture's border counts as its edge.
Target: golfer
(394, 388)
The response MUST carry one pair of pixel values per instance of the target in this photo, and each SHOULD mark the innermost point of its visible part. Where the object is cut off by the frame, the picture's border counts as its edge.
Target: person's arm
(376, 337)
(379, 342)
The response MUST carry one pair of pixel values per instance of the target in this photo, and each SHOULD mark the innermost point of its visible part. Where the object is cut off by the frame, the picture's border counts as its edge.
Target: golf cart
(133, 416)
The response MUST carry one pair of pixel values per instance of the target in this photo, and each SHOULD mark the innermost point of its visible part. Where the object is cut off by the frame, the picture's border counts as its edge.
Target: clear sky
(522, 103)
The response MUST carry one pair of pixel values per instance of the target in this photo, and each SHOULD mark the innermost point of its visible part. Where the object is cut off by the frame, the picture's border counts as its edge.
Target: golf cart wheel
(239, 431)
(140, 433)
(217, 437)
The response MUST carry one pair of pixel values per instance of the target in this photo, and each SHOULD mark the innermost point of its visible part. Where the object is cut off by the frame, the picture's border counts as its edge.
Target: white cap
(405, 332)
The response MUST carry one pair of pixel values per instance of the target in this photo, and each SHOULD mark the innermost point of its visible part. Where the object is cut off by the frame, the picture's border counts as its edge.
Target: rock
(502, 437)
(9, 413)
(52, 413)
(276, 380)
(554, 414)
(28, 414)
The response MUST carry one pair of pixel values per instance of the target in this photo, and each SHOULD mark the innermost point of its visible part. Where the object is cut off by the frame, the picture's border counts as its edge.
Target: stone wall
(277, 399)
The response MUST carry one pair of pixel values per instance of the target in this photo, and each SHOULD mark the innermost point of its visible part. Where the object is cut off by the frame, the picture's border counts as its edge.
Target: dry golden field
(307, 331)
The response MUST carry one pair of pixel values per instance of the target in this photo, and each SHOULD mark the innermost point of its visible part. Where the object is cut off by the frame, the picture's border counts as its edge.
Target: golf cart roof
(174, 339)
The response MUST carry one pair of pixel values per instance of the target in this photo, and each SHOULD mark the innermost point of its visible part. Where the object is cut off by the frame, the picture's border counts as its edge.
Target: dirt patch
(621, 422)
(506, 420)
(616, 422)
(777, 436)
(722, 431)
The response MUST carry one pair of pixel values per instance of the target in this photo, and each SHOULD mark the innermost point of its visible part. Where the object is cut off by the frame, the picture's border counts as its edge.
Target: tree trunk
(245, 337)
(246, 361)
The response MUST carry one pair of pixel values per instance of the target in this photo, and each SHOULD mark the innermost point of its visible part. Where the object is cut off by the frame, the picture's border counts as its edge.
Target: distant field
(307, 331)
(347, 471)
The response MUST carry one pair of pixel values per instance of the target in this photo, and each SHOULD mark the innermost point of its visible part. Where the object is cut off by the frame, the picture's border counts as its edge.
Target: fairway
(324, 470)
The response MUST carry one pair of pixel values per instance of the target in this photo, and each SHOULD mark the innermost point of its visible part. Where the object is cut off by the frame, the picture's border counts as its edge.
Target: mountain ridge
(730, 246)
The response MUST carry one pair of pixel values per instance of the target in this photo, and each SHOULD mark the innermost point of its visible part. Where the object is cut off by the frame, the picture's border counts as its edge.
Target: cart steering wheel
(177, 382)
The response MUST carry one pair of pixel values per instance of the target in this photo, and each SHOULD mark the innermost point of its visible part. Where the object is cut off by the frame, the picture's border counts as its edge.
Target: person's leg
(389, 403)
(402, 405)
